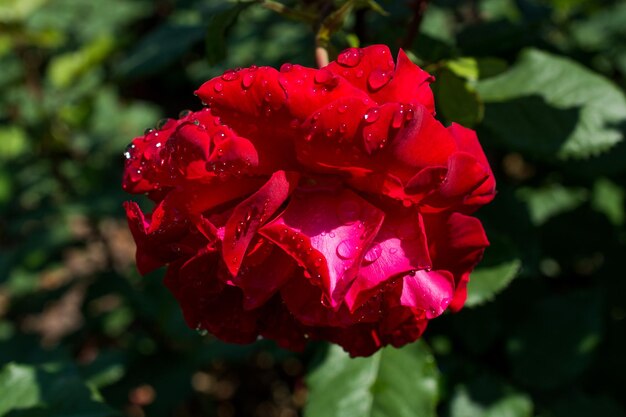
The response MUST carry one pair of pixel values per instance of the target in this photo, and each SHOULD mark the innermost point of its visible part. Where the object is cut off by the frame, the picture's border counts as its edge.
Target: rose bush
(312, 204)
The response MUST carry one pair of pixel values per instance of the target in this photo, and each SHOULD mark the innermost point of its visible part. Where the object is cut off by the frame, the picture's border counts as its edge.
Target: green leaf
(390, 383)
(218, 27)
(19, 388)
(487, 281)
(18, 10)
(13, 142)
(500, 265)
(64, 69)
(456, 98)
(550, 106)
(552, 200)
(487, 396)
(49, 390)
(608, 198)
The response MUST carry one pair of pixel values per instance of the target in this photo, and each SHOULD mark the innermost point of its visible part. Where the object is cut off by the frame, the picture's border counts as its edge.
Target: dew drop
(398, 118)
(161, 123)
(230, 75)
(332, 235)
(148, 131)
(247, 80)
(286, 67)
(343, 127)
(323, 76)
(445, 303)
(342, 108)
(350, 57)
(346, 250)
(130, 150)
(359, 73)
(184, 113)
(377, 79)
(431, 313)
(393, 251)
(218, 86)
(373, 253)
(372, 115)
(410, 113)
(219, 137)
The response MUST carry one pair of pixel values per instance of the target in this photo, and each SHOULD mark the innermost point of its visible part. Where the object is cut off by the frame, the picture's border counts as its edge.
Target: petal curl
(456, 244)
(373, 70)
(327, 233)
(399, 248)
(249, 215)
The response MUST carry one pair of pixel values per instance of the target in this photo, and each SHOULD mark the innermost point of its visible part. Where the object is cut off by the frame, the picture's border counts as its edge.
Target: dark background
(82, 334)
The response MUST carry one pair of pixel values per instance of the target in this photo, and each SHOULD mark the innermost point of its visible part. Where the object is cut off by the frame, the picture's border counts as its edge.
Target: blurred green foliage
(544, 330)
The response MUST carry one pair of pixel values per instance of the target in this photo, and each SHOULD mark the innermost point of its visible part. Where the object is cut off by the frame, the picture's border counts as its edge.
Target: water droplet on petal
(393, 251)
(372, 115)
(230, 75)
(342, 108)
(348, 211)
(219, 137)
(373, 253)
(359, 73)
(184, 113)
(410, 113)
(350, 57)
(445, 303)
(247, 80)
(127, 155)
(286, 67)
(218, 86)
(398, 118)
(378, 78)
(148, 131)
(346, 250)
(323, 76)
(161, 123)
(431, 313)
(332, 235)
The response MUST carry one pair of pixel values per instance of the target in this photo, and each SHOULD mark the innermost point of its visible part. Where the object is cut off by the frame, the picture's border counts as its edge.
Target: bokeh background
(544, 331)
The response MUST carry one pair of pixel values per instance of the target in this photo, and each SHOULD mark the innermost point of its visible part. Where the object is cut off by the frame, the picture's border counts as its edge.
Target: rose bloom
(312, 204)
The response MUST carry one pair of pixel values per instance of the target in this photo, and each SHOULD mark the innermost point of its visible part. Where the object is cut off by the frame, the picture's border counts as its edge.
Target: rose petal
(260, 282)
(467, 141)
(399, 248)
(308, 89)
(373, 70)
(430, 291)
(251, 213)
(327, 233)
(456, 244)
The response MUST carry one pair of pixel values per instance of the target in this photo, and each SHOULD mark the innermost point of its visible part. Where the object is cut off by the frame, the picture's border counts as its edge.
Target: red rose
(312, 204)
